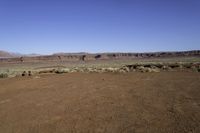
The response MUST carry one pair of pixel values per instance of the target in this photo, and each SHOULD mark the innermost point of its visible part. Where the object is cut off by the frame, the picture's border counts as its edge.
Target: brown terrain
(101, 93)
(166, 102)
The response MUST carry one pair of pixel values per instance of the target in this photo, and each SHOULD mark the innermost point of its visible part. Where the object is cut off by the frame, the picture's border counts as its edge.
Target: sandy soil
(166, 102)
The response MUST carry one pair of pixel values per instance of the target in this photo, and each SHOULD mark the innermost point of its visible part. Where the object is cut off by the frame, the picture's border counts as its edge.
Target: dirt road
(166, 102)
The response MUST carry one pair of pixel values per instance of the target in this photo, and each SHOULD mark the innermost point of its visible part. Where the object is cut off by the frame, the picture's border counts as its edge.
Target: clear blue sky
(48, 26)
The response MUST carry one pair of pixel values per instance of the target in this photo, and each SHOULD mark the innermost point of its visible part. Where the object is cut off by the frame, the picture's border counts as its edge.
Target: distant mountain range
(82, 56)
(5, 54)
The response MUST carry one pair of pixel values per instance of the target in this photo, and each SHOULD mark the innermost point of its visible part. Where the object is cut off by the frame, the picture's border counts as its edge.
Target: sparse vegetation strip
(136, 67)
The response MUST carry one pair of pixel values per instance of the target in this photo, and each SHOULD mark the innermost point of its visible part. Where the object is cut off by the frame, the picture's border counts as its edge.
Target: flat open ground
(166, 102)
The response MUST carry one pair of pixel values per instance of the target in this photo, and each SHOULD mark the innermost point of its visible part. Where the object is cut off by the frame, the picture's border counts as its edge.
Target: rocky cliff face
(101, 56)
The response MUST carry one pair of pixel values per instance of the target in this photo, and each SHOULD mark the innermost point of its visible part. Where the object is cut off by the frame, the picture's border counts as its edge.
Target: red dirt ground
(166, 102)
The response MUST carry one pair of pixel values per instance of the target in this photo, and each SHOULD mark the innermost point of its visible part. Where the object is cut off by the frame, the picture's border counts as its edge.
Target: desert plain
(139, 95)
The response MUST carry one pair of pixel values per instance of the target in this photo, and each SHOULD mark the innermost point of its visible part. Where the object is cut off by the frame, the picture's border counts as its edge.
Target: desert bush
(166, 67)
(122, 71)
(187, 66)
(158, 65)
(24, 73)
(110, 69)
(140, 68)
(147, 65)
(125, 69)
(155, 70)
(29, 73)
(59, 71)
(96, 70)
(134, 66)
(154, 67)
(174, 65)
(47, 71)
(147, 69)
(3, 75)
(62, 70)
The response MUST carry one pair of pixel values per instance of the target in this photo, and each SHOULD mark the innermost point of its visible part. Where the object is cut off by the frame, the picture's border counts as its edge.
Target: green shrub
(3, 75)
